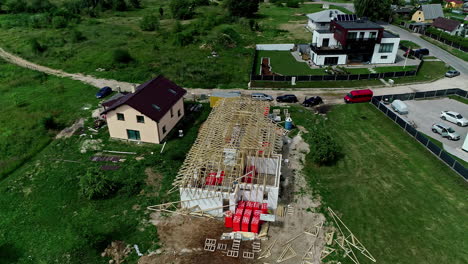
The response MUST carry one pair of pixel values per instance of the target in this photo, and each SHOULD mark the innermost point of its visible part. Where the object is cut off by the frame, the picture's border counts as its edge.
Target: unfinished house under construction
(235, 157)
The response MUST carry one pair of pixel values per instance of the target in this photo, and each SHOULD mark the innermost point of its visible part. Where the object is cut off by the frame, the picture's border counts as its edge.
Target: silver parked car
(445, 131)
(262, 97)
(454, 117)
(452, 73)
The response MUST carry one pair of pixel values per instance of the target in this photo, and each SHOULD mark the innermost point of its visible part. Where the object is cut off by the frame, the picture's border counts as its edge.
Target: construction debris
(326, 251)
(288, 253)
(267, 252)
(350, 241)
(117, 251)
(248, 255)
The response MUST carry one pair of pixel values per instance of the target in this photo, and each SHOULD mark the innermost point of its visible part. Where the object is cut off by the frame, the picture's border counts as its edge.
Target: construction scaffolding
(236, 156)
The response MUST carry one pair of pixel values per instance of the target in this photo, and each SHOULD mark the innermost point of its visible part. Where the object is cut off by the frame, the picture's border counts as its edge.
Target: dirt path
(88, 79)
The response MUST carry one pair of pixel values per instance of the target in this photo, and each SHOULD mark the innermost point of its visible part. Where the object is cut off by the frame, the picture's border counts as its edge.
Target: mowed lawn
(26, 98)
(401, 202)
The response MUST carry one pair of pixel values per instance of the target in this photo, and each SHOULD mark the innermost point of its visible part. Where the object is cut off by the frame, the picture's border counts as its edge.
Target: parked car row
(445, 130)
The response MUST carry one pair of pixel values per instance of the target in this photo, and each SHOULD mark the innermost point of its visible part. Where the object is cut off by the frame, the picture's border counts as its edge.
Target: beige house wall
(150, 131)
(170, 122)
(418, 16)
(118, 128)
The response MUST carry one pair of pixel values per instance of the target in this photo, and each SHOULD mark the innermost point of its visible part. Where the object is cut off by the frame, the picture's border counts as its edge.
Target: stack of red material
(241, 204)
(254, 226)
(264, 208)
(256, 206)
(228, 219)
(249, 205)
(236, 223)
(214, 179)
(251, 171)
(240, 211)
(266, 110)
(248, 213)
(245, 224)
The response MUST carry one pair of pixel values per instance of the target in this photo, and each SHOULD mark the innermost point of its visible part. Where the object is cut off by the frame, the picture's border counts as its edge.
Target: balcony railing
(329, 50)
(362, 40)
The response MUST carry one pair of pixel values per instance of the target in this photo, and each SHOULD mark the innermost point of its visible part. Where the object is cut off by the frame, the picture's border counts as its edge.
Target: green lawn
(394, 69)
(46, 220)
(458, 98)
(400, 201)
(27, 97)
(317, 84)
(430, 71)
(409, 44)
(284, 63)
(456, 52)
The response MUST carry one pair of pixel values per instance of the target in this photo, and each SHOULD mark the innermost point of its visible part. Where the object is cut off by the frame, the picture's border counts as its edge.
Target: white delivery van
(400, 107)
(262, 97)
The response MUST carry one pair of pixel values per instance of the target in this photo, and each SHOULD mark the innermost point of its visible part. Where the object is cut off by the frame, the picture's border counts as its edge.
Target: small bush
(122, 56)
(181, 9)
(76, 36)
(59, 22)
(37, 47)
(324, 149)
(292, 3)
(49, 123)
(149, 23)
(184, 38)
(135, 3)
(94, 185)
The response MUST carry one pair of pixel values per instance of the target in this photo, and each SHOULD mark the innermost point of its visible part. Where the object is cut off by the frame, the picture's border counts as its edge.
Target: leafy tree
(119, 5)
(161, 12)
(59, 22)
(373, 9)
(324, 148)
(94, 185)
(242, 8)
(149, 23)
(37, 47)
(135, 3)
(77, 36)
(181, 9)
(15, 6)
(122, 56)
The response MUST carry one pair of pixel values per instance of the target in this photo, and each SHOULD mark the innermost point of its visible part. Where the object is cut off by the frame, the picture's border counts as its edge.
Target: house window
(140, 119)
(133, 134)
(179, 113)
(172, 113)
(120, 117)
(386, 48)
(352, 35)
(373, 35)
(164, 129)
(383, 57)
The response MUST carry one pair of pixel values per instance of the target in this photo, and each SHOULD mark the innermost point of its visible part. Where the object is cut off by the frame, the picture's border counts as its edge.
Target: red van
(359, 96)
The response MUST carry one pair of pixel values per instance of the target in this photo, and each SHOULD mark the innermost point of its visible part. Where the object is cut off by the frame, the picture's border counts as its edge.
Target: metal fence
(446, 42)
(342, 77)
(377, 101)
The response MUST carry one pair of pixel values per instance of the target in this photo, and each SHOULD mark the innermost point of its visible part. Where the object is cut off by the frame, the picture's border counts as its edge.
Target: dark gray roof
(387, 34)
(358, 24)
(432, 11)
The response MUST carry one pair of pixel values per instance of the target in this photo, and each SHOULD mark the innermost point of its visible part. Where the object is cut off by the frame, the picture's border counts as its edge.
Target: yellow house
(453, 4)
(427, 13)
(147, 114)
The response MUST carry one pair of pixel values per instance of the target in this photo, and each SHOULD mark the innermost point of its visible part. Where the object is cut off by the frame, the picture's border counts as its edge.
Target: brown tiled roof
(153, 98)
(445, 24)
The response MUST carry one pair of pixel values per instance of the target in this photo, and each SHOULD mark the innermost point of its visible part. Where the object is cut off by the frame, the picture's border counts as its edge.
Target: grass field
(400, 201)
(456, 52)
(158, 52)
(27, 97)
(430, 71)
(46, 220)
(409, 44)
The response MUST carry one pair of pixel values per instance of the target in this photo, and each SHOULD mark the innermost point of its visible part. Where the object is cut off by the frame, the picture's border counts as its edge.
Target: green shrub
(119, 5)
(292, 3)
(49, 123)
(181, 9)
(324, 149)
(39, 21)
(149, 23)
(122, 56)
(59, 22)
(242, 8)
(76, 36)
(37, 47)
(94, 185)
(184, 38)
(135, 3)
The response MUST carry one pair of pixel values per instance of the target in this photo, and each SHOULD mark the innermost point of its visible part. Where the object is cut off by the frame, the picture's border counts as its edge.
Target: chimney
(133, 88)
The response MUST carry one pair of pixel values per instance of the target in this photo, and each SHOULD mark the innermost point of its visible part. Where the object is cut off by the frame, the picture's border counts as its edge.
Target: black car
(103, 92)
(287, 98)
(312, 101)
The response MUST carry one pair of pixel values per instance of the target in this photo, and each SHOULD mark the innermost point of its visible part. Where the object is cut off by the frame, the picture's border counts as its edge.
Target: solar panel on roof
(346, 17)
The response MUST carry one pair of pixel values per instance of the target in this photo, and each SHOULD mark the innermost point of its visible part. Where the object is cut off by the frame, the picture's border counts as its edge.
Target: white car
(454, 117)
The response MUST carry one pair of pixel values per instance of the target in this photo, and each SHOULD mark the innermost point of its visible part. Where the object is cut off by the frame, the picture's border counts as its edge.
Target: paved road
(443, 55)
(349, 6)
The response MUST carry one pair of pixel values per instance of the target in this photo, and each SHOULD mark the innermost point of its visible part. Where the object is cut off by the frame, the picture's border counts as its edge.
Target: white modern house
(349, 40)
(321, 20)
